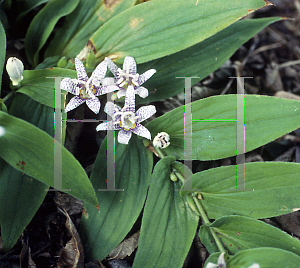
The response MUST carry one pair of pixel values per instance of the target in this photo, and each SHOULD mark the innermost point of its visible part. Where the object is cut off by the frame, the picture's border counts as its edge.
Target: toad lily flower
(129, 77)
(126, 119)
(221, 262)
(86, 89)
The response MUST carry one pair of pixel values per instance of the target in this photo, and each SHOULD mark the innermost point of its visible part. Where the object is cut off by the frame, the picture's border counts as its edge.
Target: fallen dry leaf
(286, 95)
(125, 248)
(72, 255)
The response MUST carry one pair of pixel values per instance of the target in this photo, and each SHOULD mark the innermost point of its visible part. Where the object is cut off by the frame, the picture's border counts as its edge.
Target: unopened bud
(62, 63)
(173, 177)
(161, 140)
(15, 68)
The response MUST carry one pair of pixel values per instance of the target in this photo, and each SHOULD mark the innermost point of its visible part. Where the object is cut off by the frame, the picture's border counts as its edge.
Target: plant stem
(159, 152)
(6, 97)
(206, 220)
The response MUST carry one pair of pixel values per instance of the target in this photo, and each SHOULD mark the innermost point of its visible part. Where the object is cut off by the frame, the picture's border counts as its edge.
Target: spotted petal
(129, 64)
(102, 126)
(142, 131)
(81, 73)
(99, 73)
(124, 136)
(142, 92)
(112, 67)
(93, 104)
(130, 100)
(110, 108)
(73, 103)
(108, 126)
(145, 112)
(121, 93)
(68, 85)
(108, 81)
(145, 76)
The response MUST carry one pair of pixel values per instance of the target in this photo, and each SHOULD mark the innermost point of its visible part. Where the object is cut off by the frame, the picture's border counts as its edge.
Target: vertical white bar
(188, 152)
(110, 156)
(240, 134)
(57, 137)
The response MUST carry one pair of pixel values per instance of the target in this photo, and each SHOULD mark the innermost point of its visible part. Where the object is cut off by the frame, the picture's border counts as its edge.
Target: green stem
(6, 97)
(206, 220)
(159, 152)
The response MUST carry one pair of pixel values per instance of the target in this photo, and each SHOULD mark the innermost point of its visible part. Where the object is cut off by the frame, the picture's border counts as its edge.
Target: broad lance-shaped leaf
(214, 126)
(27, 6)
(42, 25)
(80, 25)
(265, 257)
(276, 190)
(21, 195)
(20, 198)
(238, 233)
(168, 224)
(40, 84)
(101, 233)
(31, 151)
(199, 60)
(162, 27)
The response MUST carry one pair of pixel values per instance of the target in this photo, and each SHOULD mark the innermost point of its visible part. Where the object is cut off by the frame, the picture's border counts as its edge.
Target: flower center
(126, 79)
(128, 120)
(86, 91)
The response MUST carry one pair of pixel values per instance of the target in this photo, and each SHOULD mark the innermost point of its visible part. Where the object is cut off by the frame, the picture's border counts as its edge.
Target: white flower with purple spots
(86, 89)
(221, 262)
(126, 119)
(129, 77)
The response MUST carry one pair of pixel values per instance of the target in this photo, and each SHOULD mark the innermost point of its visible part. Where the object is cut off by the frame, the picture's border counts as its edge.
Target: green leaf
(21, 195)
(80, 25)
(2, 51)
(39, 84)
(28, 5)
(168, 224)
(20, 198)
(214, 135)
(31, 150)
(119, 210)
(276, 190)
(264, 257)
(42, 25)
(48, 63)
(199, 60)
(150, 30)
(239, 233)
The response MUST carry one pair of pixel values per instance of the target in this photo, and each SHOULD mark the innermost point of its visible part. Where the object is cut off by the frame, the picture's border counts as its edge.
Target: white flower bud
(2, 131)
(15, 68)
(161, 140)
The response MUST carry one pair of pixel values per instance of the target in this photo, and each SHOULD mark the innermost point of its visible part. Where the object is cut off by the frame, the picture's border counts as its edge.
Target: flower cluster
(128, 83)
